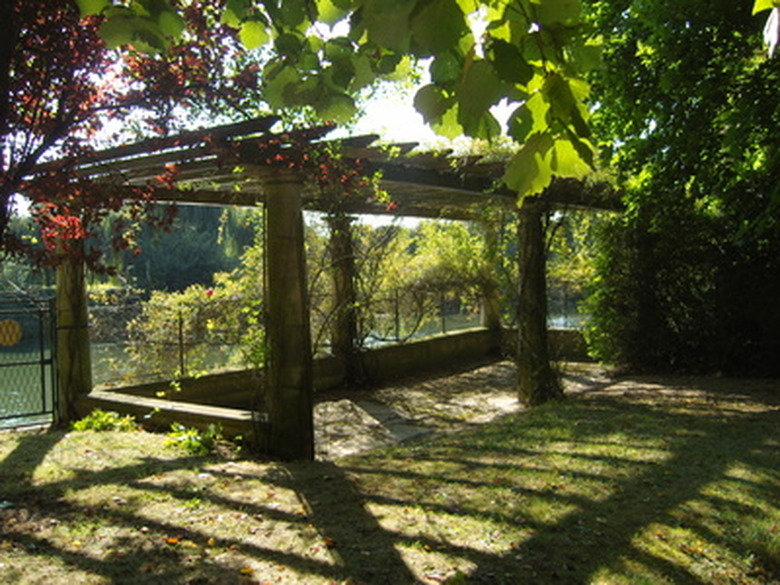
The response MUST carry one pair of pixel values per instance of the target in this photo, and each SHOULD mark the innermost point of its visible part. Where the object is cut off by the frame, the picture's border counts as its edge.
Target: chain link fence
(406, 314)
(27, 361)
(146, 342)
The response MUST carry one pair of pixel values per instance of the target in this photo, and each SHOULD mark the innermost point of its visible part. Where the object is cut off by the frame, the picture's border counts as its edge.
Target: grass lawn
(635, 481)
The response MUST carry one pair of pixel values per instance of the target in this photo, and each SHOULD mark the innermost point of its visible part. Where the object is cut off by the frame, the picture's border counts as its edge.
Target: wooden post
(344, 328)
(74, 366)
(288, 336)
(536, 381)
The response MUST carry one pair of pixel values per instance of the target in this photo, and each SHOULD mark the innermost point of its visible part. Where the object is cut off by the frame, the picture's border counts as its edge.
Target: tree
(689, 120)
(64, 92)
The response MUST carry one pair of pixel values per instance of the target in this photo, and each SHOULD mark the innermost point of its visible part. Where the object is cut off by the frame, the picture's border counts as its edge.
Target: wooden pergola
(247, 163)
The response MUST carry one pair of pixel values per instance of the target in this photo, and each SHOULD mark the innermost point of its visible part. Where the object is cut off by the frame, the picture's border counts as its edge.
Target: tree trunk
(536, 380)
(8, 38)
(491, 311)
(344, 328)
(288, 336)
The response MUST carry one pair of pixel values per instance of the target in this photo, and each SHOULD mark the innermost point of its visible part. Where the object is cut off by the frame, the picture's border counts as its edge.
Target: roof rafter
(230, 164)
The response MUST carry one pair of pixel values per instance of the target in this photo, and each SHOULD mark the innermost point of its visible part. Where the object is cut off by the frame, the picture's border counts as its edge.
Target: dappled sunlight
(627, 484)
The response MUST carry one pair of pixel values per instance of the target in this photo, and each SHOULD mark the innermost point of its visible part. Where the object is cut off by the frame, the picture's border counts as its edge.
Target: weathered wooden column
(536, 381)
(344, 328)
(74, 366)
(288, 336)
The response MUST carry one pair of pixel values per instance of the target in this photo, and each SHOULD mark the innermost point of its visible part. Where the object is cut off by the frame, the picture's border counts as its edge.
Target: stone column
(288, 336)
(74, 365)
(536, 380)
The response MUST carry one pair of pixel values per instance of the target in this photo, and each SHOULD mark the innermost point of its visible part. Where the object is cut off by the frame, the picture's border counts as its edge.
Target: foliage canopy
(322, 53)
(688, 120)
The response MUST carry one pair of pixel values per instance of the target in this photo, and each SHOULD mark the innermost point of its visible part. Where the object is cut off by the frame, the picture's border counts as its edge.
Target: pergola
(246, 164)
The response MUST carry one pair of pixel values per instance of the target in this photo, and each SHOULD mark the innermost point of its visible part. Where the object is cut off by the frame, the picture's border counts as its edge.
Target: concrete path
(343, 427)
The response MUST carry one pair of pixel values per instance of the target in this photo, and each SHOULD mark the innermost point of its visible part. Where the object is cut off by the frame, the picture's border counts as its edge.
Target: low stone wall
(566, 345)
(229, 399)
(159, 414)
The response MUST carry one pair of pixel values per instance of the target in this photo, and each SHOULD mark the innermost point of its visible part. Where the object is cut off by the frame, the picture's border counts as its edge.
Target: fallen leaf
(172, 540)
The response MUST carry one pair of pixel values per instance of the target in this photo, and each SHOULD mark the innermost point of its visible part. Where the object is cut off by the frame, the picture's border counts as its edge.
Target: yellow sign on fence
(10, 332)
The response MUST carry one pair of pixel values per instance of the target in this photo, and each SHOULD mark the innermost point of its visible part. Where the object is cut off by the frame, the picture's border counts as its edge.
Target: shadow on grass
(654, 484)
(148, 551)
(599, 486)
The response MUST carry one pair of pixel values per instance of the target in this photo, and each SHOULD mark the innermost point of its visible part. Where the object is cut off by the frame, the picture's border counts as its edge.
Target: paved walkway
(350, 424)
(343, 427)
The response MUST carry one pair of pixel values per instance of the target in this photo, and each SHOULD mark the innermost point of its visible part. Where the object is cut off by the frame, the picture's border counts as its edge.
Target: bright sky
(393, 117)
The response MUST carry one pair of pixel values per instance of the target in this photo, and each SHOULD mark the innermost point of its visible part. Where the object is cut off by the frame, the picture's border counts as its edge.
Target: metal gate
(27, 361)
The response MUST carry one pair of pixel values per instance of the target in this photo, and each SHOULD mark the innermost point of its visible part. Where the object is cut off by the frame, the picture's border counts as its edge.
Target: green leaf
(87, 7)
(484, 127)
(538, 107)
(289, 45)
(579, 123)
(583, 149)
(520, 124)
(253, 34)
(387, 23)
(338, 108)
(446, 67)
(387, 63)
(438, 25)
(509, 63)
(468, 6)
(761, 5)
(364, 74)
(479, 89)
(276, 87)
(449, 126)
(340, 75)
(565, 160)
(431, 102)
(330, 13)
(560, 97)
(566, 12)
(528, 172)
(403, 69)
(293, 13)
(171, 24)
(148, 38)
(117, 31)
(587, 56)
(338, 49)
(236, 11)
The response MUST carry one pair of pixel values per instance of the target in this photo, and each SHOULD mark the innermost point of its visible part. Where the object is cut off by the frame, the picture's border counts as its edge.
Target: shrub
(102, 420)
(192, 440)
